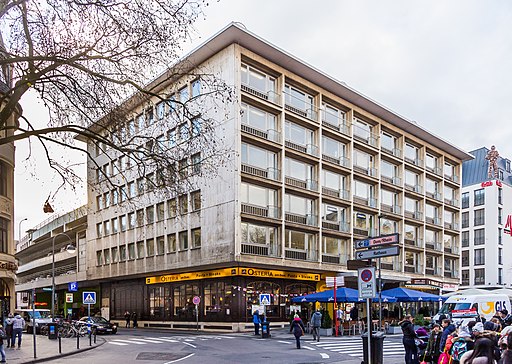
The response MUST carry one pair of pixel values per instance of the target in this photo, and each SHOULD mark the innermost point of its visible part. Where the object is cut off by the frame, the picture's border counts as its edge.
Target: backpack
(444, 358)
(449, 343)
(459, 347)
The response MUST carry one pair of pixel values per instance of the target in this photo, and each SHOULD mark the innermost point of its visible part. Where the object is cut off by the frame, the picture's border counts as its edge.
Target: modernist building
(51, 240)
(7, 262)
(486, 223)
(316, 163)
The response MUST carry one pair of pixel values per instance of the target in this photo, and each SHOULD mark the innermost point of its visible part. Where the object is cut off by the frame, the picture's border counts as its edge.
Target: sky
(444, 64)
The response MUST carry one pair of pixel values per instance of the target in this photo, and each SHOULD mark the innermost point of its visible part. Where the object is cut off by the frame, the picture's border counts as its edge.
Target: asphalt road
(162, 347)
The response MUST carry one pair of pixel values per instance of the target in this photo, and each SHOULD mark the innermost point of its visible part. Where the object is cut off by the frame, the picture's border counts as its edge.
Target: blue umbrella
(342, 295)
(411, 295)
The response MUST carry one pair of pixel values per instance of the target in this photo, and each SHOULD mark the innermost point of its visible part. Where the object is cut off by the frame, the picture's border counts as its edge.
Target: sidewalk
(47, 349)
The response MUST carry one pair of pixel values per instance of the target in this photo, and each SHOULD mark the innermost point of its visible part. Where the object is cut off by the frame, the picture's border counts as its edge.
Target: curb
(58, 356)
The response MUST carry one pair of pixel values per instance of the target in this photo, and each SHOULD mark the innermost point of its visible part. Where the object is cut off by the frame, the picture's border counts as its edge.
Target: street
(158, 346)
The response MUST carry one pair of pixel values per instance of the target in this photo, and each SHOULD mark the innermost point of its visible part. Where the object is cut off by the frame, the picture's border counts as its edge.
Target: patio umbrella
(410, 295)
(342, 295)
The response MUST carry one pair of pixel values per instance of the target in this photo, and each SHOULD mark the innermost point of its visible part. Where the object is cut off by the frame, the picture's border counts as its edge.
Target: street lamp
(70, 248)
(19, 228)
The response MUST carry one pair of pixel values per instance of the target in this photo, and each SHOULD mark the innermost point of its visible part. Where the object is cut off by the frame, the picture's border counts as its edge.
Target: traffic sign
(378, 240)
(73, 286)
(89, 298)
(265, 299)
(196, 300)
(377, 253)
(366, 282)
(69, 297)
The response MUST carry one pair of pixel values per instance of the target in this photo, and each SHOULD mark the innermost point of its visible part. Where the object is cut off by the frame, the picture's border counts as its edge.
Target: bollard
(95, 336)
(90, 338)
(60, 345)
(77, 341)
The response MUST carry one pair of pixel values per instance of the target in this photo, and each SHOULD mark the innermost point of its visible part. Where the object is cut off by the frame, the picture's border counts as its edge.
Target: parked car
(102, 325)
(42, 317)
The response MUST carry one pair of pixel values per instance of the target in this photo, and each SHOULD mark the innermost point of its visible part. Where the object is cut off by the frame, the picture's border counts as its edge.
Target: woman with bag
(298, 329)
(409, 340)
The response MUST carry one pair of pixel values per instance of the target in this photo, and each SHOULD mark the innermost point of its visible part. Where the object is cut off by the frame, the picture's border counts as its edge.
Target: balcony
(269, 211)
(341, 161)
(414, 269)
(417, 162)
(334, 259)
(269, 173)
(418, 243)
(371, 202)
(309, 184)
(341, 226)
(416, 215)
(300, 254)
(343, 194)
(391, 208)
(433, 245)
(394, 151)
(452, 202)
(451, 225)
(308, 219)
(397, 181)
(369, 171)
(453, 178)
(435, 170)
(267, 96)
(270, 134)
(334, 122)
(415, 188)
(310, 149)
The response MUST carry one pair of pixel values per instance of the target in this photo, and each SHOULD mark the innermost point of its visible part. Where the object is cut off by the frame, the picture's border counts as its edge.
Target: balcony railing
(418, 243)
(300, 254)
(372, 202)
(310, 149)
(393, 151)
(340, 126)
(451, 225)
(343, 194)
(391, 208)
(307, 219)
(417, 162)
(269, 211)
(256, 249)
(435, 170)
(370, 171)
(364, 136)
(309, 112)
(334, 259)
(452, 202)
(270, 134)
(336, 225)
(413, 268)
(309, 184)
(341, 161)
(453, 178)
(269, 173)
(415, 188)
(433, 245)
(397, 181)
(268, 96)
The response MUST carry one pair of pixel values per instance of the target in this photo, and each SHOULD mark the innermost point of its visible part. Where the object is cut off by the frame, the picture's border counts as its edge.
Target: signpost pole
(369, 330)
(334, 309)
(197, 317)
(379, 282)
(33, 319)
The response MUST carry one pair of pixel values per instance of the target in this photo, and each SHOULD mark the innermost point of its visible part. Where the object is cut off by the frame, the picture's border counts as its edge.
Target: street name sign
(378, 240)
(366, 282)
(377, 253)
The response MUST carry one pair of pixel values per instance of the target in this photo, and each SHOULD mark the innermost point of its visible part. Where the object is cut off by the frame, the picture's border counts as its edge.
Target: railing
(364, 135)
(309, 184)
(362, 232)
(393, 151)
(370, 171)
(268, 95)
(300, 254)
(336, 225)
(306, 112)
(435, 170)
(451, 202)
(453, 178)
(269, 173)
(270, 134)
(340, 126)
(390, 208)
(343, 194)
(415, 188)
(372, 202)
(341, 161)
(253, 249)
(333, 259)
(269, 211)
(451, 225)
(307, 149)
(307, 219)
(417, 162)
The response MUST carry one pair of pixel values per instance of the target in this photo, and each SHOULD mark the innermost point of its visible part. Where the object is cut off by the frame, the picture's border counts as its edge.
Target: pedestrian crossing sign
(265, 299)
(89, 298)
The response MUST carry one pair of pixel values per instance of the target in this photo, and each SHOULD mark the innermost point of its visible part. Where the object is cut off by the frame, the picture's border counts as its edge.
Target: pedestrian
(432, 352)
(354, 314)
(256, 320)
(506, 357)
(127, 318)
(505, 318)
(134, 320)
(448, 328)
(3, 335)
(8, 328)
(17, 328)
(409, 340)
(297, 327)
(483, 353)
(340, 315)
(316, 321)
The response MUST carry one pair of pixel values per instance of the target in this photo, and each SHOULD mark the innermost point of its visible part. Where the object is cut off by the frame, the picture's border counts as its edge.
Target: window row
(161, 245)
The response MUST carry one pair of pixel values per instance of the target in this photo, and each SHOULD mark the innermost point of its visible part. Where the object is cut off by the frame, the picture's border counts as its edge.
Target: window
(479, 217)
(99, 202)
(196, 126)
(183, 168)
(334, 214)
(160, 110)
(465, 258)
(171, 208)
(114, 255)
(106, 227)
(298, 134)
(149, 117)
(131, 220)
(150, 214)
(140, 186)
(160, 245)
(99, 229)
(335, 182)
(115, 197)
(140, 249)
(140, 218)
(115, 225)
(333, 148)
(388, 170)
(465, 277)
(298, 240)
(195, 199)
(388, 142)
(299, 171)
(150, 182)
(500, 255)
(183, 202)
(500, 236)
(300, 100)
(363, 190)
(479, 236)
(259, 119)
(449, 170)
(183, 238)
(479, 256)
(298, 205)
(122, 194)
(99, 257)
(196, 237)
(500, 196)
(333, 116)
(431, 163)
(412, 179)
(131, 251)
(465, 200)
(335, 247)
(500, 275)
(411, 152)
(195, 163)
(122, 253)
(122, 220)
(131, 190)
(171, 243)
(106, 199)
(480, 276)
(500, 215)
(431, 186)
(258, 81)
(362, 130)
(4, 236)
(150, 247)
(363, 160)
(389, 199)
(258, 157)
(465, 239)
(479, 198)
(171, 136)
(465, 219)
(196, 88)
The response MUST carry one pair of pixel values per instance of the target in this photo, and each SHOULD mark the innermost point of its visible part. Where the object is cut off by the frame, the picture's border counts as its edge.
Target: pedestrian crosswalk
(144, 340)
(354, 347)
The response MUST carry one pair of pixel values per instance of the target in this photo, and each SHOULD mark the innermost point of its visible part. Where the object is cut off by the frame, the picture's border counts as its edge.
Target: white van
(43, 317)
(464, 308)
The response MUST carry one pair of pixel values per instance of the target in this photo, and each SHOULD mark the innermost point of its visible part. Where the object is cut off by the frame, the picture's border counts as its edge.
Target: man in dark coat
(448, 328)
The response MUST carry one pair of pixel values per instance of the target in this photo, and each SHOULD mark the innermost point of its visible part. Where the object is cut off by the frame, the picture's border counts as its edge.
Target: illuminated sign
(489, 183)
(508, 225)
(231, 272)
(427, 282)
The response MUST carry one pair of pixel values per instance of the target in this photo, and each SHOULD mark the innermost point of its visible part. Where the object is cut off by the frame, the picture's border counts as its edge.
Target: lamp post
(71, 249)
(19, 228)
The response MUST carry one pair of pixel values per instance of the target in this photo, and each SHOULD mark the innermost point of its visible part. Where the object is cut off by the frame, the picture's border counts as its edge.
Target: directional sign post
(378, 240)
(377, 253)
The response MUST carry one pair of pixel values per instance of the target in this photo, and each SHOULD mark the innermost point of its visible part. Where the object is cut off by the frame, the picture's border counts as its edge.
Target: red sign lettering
(486, 183)
(508, 225)
(498, 183)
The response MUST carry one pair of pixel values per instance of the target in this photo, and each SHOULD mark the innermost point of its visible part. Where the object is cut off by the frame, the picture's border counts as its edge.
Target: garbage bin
(265, 330)
(52, 331)
(377, 347)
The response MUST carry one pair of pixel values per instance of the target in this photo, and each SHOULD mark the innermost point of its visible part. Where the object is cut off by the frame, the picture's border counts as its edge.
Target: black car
(101, 324)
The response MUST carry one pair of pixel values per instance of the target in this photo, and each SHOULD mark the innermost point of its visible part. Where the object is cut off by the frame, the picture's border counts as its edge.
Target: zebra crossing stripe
(147, 341)
(114, 343)
(128, 342)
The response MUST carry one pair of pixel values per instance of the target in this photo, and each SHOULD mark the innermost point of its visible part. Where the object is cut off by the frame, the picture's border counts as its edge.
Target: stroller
(422, 341)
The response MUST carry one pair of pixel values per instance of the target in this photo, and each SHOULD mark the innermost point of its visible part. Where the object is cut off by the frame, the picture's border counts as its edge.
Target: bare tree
(83, 57)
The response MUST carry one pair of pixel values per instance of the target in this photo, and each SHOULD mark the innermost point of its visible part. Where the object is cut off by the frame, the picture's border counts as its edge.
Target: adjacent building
(486, 221)
(316, 166)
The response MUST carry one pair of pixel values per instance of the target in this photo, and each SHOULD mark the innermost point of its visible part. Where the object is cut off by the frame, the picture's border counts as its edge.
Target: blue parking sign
(73, 286)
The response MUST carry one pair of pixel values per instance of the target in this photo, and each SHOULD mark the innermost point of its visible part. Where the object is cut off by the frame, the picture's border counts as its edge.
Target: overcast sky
(444, 64)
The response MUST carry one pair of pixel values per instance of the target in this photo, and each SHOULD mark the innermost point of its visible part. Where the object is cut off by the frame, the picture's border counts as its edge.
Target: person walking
(3, 335)
(134, 320)
(483, 353)
(297, 327)
(127, 316)
(411, 351)
(256, 320)
(8, 328)
(316, 321)
(17, 328)
(432, 352)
